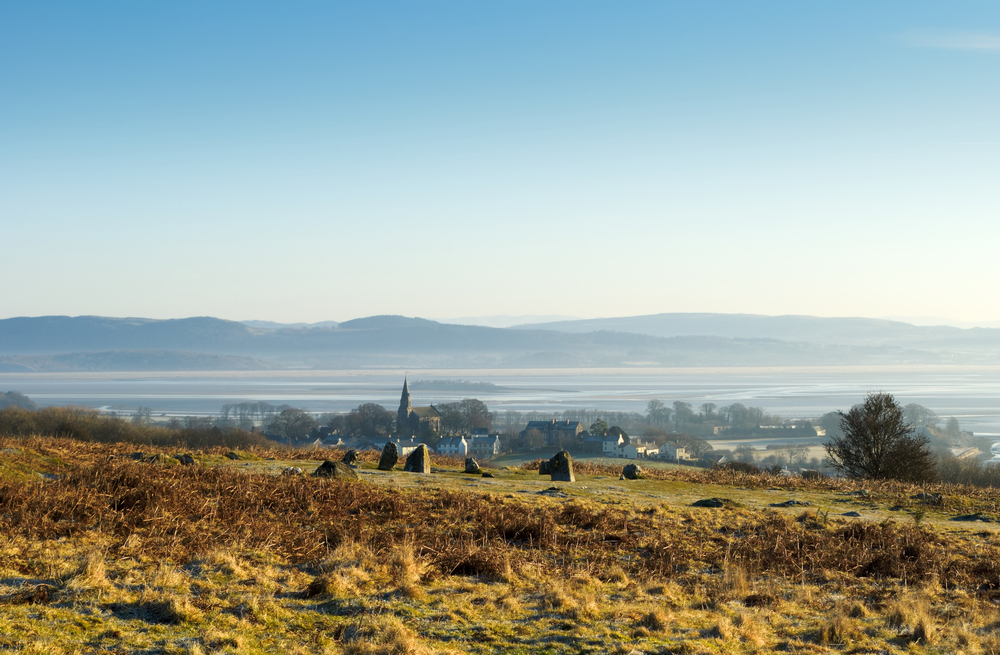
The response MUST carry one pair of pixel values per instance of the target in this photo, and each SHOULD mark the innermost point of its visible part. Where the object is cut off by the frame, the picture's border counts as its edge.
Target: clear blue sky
(310, 161)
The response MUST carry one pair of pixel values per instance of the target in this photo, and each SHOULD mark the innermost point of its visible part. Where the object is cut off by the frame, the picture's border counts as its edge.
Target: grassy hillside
(105, 550)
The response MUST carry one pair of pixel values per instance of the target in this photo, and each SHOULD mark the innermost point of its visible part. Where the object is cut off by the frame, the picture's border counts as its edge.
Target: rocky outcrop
(561, 467)
(419, 461)
(389, 457)
(339, 470)
(471, 465)
(632, 472)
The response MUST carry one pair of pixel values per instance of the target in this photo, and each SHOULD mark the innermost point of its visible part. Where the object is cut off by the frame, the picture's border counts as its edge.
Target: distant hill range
(92, 343)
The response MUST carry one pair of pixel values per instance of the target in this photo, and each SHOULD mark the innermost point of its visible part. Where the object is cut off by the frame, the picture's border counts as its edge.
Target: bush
(878, 444)
(968, 471)
(88, 425)
(740, 467)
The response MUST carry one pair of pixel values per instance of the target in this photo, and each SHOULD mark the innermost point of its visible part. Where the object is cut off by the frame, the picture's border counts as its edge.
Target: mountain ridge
(108, 343)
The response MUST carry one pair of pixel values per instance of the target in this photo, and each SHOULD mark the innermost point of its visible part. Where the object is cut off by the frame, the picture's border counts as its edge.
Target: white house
(610, 445)
(671, 450)
(403, 446)
(454, 446)
(484, 446)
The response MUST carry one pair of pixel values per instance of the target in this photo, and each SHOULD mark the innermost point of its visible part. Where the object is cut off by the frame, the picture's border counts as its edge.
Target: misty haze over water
(972, 394)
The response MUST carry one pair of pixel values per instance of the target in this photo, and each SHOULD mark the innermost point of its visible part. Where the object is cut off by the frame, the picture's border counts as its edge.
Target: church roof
(426, 412)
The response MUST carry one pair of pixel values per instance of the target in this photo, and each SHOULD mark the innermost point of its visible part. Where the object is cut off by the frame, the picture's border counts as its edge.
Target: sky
(315, 161)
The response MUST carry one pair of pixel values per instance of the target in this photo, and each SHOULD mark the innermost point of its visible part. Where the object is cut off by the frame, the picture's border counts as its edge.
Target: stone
(389, 457)
(231, 455)
(471, 465)
(928, 498)
(709, 502)
(544, 467)
(292, 471)
(561, 467)
(792, 503)
(350, 457)
(339, 470)
(851, 514)
(186, 459)
(487, 475)
(971, 517)
(419, 461)
(632, 472)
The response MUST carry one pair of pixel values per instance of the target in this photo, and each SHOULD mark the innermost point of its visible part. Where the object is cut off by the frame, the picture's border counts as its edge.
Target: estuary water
(971, 394)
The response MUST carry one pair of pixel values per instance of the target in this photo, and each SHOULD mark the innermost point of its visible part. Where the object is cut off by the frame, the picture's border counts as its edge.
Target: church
(411, 421)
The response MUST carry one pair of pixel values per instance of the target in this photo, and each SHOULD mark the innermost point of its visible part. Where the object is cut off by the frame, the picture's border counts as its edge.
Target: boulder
(471, 465)
(292, 470)
(389, 457)
(419, 461)
(632, 472)
(709, 502)
(350, 457)
(487, 475)
(561, 467)
(186, 459)
(231, 455)
(340, 470)
(545, 467)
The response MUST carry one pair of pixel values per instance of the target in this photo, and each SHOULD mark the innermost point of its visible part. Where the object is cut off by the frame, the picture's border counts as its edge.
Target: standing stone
(340, 470)
(561, 467)
(545, 467)
(390, 455)
(419, 461)
(632, 472)
(350, 457)
(471, 465)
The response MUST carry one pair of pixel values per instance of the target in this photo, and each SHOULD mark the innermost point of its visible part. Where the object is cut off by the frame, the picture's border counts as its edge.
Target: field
(106, 550)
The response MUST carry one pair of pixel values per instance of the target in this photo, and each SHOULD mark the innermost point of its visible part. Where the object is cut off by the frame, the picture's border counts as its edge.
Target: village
(412, 422)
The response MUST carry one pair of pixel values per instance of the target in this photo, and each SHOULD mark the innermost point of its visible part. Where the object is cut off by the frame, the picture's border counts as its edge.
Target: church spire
(404, 399)
(404, 427)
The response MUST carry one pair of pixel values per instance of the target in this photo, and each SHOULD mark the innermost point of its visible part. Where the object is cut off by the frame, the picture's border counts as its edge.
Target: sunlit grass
(127, 556)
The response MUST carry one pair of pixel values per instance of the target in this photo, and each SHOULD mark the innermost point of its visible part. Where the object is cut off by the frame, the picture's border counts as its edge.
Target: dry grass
(210, 559)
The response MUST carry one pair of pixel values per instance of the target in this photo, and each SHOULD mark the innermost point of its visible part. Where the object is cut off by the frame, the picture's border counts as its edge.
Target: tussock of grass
(382, 635)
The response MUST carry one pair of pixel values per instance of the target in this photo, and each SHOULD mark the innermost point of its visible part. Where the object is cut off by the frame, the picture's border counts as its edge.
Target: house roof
(553, 424)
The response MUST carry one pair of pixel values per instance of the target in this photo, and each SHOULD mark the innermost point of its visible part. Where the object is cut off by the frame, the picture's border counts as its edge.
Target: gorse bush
(89, 425)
